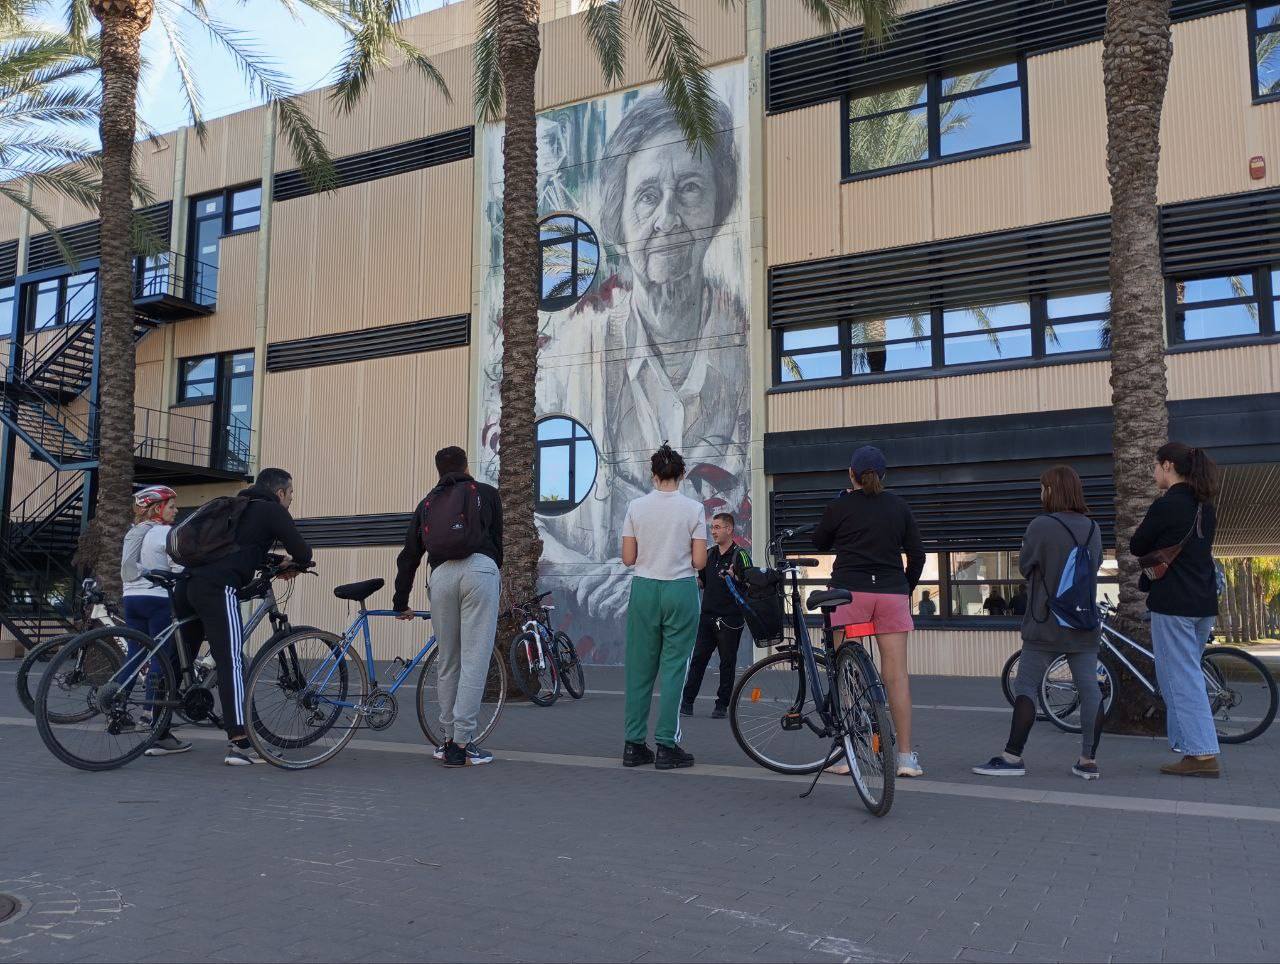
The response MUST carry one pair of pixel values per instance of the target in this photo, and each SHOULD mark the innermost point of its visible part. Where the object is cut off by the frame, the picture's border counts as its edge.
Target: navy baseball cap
(868, 459)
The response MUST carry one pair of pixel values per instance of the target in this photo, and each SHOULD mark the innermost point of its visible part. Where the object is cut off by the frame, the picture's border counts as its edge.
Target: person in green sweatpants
(664, 539)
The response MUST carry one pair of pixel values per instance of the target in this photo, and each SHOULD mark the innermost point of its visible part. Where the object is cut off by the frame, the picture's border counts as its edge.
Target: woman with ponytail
(1180, 580)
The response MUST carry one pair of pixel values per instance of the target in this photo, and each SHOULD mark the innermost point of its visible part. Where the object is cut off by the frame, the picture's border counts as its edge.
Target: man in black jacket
(721, 622)
(464, 603)
(210, 593)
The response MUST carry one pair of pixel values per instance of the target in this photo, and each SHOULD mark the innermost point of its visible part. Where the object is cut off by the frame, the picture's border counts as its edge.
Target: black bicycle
(541, 657)
(834, 693)
(94, 612)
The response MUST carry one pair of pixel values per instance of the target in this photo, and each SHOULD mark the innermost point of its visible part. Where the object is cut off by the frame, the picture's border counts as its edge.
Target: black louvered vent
(1221, 232)
(965, 32)
(8, 262)
(350, 346)
(384, 162)
(82, 239)
(972, 270)
(984, 515)
(326, 532)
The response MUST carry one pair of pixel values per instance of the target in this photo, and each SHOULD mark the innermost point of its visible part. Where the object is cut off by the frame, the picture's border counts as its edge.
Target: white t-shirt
(663, 524)
(155, 555)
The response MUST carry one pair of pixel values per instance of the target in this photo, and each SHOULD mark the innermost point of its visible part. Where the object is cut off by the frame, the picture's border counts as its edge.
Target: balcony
(189, 447)
(171, 287)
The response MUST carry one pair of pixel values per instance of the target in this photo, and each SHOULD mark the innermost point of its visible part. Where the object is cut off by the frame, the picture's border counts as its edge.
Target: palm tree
(122, 24)
(1136, 50)
(507, 50)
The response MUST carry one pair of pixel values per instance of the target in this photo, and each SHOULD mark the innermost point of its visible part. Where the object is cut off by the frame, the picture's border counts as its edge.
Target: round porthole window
(564, 469)
(570, 257)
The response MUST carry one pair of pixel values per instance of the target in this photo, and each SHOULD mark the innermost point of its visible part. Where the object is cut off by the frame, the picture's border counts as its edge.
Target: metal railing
(176, 276)
(191, 440)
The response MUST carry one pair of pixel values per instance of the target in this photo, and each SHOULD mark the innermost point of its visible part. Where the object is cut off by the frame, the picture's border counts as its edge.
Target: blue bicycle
(309, 694)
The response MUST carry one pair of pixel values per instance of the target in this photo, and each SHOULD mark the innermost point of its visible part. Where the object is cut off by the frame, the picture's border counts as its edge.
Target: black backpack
(209, 533)
(451, 524)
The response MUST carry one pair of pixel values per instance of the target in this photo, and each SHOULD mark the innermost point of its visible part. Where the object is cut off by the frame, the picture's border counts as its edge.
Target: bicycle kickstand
(822, 769)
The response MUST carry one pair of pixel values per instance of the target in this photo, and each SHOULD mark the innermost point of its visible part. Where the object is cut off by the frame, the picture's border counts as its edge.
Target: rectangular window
(986, 584)
(1223, 306)
(1264, 49)
(45, 305)
(229, 211)
(983, 333)
(6, 310)
(244, 212)
(1077, 322)
(893, 344)
(810, 353)
(198, 379)
(944, 117)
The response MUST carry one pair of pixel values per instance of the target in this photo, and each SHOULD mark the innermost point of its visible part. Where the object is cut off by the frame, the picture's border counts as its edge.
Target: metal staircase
(36, 552)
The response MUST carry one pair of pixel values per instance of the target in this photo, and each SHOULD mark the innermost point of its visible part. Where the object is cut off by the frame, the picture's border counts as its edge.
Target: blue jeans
(1179, 641)
(151, 615)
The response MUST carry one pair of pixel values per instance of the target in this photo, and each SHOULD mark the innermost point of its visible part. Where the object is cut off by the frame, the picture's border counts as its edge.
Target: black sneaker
(672, 758)
(686, 709)
(636, 755)
(719, 713)
(454, 755)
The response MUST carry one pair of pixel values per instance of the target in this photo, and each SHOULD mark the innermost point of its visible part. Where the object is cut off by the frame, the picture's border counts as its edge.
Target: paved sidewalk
(557, 853)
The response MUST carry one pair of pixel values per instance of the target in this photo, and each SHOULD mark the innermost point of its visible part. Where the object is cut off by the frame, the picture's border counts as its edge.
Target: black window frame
(215, 380)
(1264, 295)
(933, 99)
(550, 509)
(227, 195)
(1038, 311)
(1254, 32)
(25, 311)
(583, 231)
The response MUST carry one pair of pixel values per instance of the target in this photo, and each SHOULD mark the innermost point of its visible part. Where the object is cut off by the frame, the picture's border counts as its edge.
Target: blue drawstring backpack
(1075, 605)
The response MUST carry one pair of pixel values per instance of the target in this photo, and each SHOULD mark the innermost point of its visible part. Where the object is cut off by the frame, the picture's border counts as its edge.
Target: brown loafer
(1190, 766)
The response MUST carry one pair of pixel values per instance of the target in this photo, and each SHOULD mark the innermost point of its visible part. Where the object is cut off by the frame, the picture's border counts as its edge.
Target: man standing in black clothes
(720, 626)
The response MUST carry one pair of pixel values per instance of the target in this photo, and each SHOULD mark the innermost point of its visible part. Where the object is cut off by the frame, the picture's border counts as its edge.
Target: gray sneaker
(238, 756)
(909, 765)
(166, 745)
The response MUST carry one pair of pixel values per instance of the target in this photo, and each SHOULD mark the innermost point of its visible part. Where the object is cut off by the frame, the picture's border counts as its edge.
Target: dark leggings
(1026, 688)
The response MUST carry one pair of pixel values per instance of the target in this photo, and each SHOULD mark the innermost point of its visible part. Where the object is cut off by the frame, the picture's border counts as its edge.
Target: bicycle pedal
(792, 721)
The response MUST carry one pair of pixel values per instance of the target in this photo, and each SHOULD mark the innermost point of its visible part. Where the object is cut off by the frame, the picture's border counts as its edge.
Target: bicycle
(94, 696)
(541, 658)
(834, 693)
(95, 612)
(298, 688)
(1233, 679)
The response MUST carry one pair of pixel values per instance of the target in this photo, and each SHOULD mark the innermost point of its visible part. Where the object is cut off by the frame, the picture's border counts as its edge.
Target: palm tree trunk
(519, 47)
(123, 24)
(1136, 51)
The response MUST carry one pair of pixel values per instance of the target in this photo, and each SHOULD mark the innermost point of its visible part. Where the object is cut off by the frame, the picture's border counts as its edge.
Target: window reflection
(1222, 306)
(565, 466)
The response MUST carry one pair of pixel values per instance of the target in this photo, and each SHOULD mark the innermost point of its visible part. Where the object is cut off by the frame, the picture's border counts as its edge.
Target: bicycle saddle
(162, 578)
(359, 591)
(828, 598)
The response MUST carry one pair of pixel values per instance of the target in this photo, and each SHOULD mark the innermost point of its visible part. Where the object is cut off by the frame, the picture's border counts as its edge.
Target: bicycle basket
(759, 597)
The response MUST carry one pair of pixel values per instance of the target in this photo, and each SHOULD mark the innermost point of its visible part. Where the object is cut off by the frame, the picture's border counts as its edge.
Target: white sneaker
(909, 765)
(438, 752)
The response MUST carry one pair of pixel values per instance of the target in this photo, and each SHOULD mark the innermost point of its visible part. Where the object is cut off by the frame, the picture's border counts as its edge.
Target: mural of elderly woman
(666, 337)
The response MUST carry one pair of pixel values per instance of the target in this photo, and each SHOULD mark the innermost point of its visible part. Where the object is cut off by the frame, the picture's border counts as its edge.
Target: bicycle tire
(1216, 657)
(1008, 674)
(40, 653)
(868, 733)
(278, 668)
(750, 713)
(1065, 713)
(104, 660)
(532, 684)
(571, 675)
(495, 694)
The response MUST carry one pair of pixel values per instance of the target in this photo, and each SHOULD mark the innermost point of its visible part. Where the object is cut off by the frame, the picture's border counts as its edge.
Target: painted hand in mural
(603, 594)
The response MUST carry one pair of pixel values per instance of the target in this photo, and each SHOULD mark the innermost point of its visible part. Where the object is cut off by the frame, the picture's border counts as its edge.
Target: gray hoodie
(154, 556)
(1044, 553)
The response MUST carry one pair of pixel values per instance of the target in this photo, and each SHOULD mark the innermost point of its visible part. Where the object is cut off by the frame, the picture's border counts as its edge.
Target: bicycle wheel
(570, 667)
(1060, 701)
(495, 697)
(305, 697)
(869, 746)
(97, 711)
(33, 667)
(1008, 675)
(763, 722)
(1242, 693)
(533, 669)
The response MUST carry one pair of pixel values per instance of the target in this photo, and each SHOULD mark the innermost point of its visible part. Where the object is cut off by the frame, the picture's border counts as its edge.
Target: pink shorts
(889, 612)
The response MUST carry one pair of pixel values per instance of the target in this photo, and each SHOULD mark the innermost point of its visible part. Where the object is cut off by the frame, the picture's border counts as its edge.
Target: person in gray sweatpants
(458, 526)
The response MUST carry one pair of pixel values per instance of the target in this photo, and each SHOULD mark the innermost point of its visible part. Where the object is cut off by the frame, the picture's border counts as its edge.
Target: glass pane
(1268, 56)
(993, 565)
(44, 310)
(209, 206)
(967, 81)
(793, 338)
(566, 472)
(889, 140)
(1189, 291)
(552, 229)
(1081, 303)
(242, 364)
(1268, 16)
(894, 357)
(584, 468)
(570, 258)
(82, 296)
(557, 271)
(1221, 322)
(249, 197)
(987, 599)
(554, 428)
(897, 98)
(246, 220)
(797, 368)
(1077, 336)
(924, 601)
(199, 369)
(981, 121)
(986, 317)
(891, 329)
(7, 300)
(588, 261)
(988, 346)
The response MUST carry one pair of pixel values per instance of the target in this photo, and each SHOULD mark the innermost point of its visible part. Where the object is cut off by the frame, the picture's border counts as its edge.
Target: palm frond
(679, 60)
(307, 144)
(375, 35)
(488, 79)
(876, 16)
(20, 198)
(177, 41)
(607, 32)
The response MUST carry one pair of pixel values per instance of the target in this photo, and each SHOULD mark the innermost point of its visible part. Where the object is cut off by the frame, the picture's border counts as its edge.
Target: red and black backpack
(452, 527)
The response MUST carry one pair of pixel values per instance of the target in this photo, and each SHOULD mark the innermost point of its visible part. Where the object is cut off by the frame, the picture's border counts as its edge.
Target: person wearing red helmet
(146, 605)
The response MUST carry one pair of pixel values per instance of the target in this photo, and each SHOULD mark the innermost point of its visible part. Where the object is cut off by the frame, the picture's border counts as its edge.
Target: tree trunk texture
(519, 48)
(123, 24)
(1136, 51)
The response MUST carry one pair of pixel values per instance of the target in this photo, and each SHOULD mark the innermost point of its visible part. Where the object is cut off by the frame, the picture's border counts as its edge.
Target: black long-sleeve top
(870, 534)
(411, 555)
(265, 523)
(1190, 587)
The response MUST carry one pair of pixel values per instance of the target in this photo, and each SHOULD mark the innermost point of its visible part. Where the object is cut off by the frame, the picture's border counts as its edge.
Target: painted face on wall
(668, 211)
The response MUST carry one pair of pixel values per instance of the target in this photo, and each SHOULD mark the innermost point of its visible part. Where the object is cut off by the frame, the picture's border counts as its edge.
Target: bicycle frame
(1115, 651)
(360, 626)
